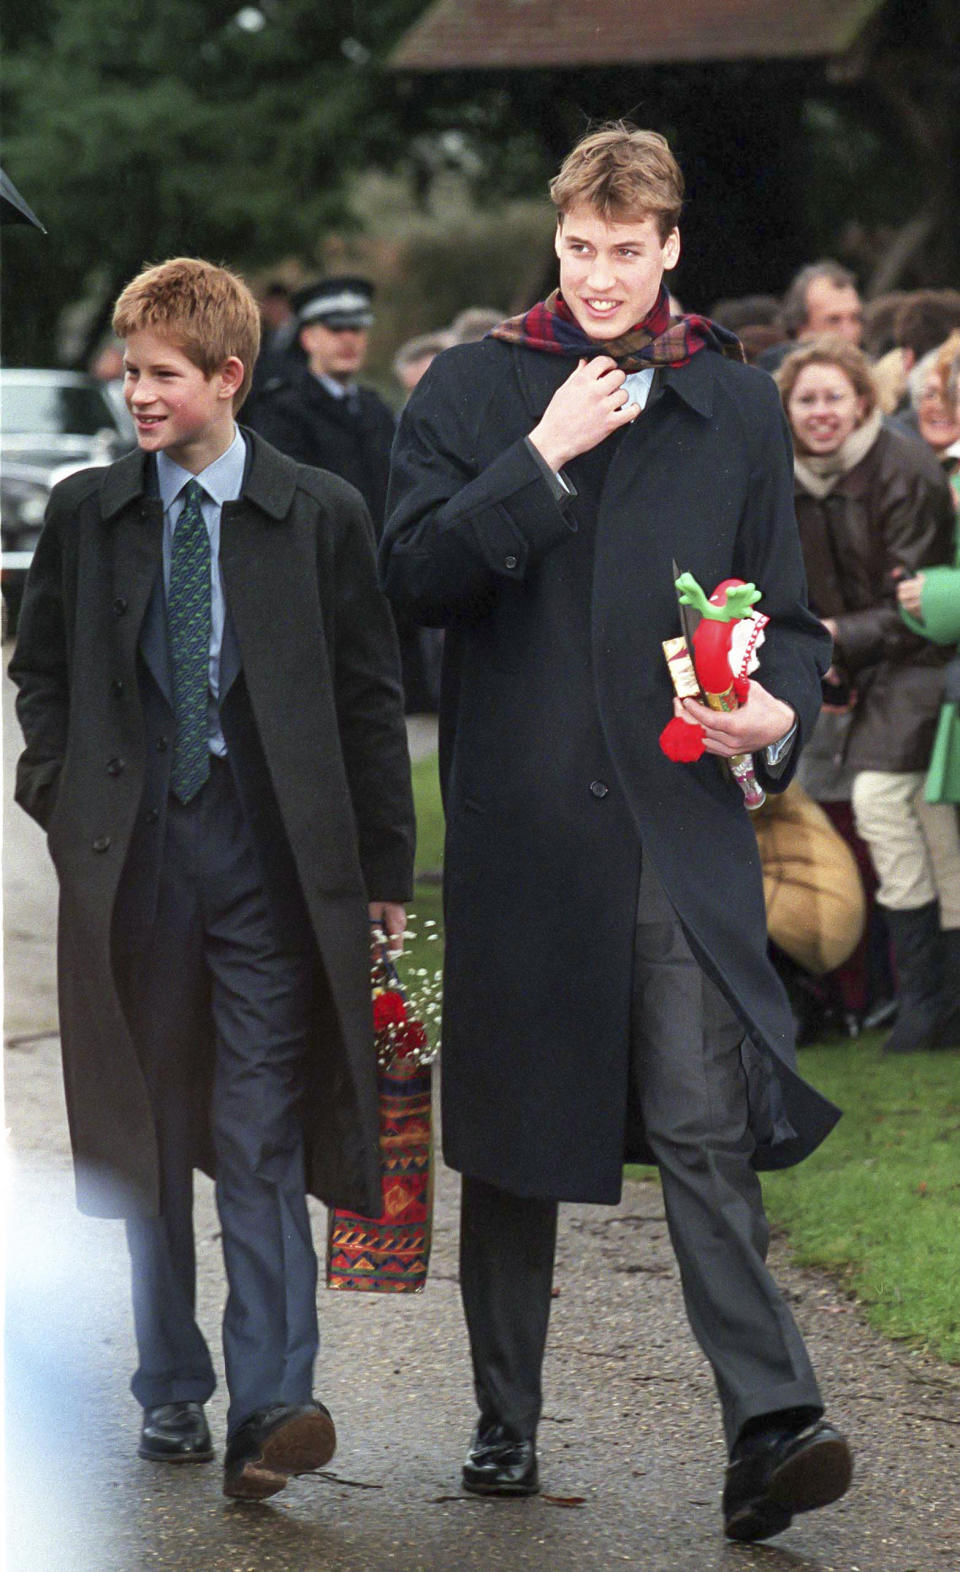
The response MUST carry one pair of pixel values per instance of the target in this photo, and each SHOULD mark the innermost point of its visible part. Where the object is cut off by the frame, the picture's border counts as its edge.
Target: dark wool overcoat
(555, 691)
(319, 694)
(349, 437)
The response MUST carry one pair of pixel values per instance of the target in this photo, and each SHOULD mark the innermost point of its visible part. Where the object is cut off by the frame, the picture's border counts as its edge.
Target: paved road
(630, 1435)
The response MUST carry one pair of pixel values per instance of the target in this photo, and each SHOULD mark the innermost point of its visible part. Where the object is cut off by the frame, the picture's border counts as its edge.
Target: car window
(38, 409)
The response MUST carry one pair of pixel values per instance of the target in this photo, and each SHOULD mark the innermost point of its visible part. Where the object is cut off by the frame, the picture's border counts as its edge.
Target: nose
(600, 275)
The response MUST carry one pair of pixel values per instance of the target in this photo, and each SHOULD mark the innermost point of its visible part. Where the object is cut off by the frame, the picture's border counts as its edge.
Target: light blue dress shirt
(637, 386)
(222, 481)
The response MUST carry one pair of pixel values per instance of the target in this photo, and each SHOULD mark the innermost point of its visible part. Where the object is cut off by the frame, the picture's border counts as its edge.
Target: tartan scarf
(659, 340)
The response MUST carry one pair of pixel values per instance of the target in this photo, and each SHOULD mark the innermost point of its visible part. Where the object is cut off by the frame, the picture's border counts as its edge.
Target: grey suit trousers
(690, 1082)
(215, 963)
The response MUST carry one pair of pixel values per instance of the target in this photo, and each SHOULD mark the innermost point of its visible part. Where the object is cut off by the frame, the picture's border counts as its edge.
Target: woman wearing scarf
(606, 934)
(872, 507)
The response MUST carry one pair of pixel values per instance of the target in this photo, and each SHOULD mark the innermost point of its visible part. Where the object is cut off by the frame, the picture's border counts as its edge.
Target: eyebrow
(581, 240)
(137, 364)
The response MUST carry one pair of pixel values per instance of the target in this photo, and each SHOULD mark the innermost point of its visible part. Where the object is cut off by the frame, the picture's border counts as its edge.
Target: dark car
(51, 423)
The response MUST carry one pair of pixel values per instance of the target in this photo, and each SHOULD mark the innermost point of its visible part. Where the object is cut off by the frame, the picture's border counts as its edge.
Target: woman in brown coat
(872, 506)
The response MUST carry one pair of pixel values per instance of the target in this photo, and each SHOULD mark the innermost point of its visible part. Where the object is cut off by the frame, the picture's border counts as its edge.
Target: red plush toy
(724, 652)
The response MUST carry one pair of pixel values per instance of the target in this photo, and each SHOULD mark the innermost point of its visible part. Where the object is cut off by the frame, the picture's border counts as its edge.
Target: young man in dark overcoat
(607, 985)
(215, 747)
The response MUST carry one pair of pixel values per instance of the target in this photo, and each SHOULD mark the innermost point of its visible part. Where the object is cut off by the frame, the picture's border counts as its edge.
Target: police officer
(317, 412)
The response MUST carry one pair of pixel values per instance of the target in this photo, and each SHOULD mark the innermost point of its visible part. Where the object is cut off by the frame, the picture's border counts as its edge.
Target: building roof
(502, 34)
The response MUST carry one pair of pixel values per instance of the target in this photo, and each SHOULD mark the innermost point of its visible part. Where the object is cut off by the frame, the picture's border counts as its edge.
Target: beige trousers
(914, 844)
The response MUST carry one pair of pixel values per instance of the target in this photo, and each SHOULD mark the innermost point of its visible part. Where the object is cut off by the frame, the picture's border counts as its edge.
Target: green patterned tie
(188, 621)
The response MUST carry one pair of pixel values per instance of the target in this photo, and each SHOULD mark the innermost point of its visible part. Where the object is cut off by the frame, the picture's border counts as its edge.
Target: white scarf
(818, 473)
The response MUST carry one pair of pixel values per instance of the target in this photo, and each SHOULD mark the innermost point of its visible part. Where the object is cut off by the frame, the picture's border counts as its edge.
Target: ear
(671, 250)
(557, 237)
(232, 373)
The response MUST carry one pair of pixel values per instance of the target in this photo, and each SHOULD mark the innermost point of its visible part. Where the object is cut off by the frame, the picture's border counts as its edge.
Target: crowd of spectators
(870, 393)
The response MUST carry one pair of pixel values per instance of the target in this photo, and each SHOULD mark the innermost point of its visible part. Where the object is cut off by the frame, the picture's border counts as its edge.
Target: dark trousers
(688, 1075)
(215, 962)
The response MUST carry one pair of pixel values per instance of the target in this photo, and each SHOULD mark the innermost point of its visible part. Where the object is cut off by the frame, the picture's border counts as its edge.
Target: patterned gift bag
(389, 1254)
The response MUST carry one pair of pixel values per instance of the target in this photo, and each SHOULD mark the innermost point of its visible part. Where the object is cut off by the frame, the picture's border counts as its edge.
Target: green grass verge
(421, 967)
(878, 1203)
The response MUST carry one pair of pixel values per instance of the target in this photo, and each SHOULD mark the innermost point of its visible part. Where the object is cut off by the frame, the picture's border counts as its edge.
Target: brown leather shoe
(175, 1433)
(274, 1443)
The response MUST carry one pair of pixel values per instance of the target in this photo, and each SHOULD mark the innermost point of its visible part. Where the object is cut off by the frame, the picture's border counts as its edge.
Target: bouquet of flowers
(390, 1253)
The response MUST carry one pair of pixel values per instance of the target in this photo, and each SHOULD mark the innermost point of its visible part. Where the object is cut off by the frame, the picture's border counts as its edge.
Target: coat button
(116, 687)
(119, 606)
(102, 843)
(509, 562)
(152, 815)
(599, 788)
(116, 766)
(161, 744)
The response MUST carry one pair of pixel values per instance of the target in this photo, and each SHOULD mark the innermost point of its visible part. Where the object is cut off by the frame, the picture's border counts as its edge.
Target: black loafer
(273, 1444)
(498, 1464)
(175, 1433)
(782, 1472)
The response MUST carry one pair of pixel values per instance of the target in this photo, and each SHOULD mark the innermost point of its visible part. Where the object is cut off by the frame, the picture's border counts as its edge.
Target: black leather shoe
(274, 1443)
(779, 1472)
(175, 1433)
(497, 1464)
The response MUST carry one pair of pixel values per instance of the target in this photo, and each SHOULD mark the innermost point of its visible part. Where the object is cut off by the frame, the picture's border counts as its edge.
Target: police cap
(341, 302)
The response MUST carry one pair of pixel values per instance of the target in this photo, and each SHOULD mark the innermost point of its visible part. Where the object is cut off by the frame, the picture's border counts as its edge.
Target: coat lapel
(154, 643)
(136, 522)
(681, 389)
(229, 657)
(263, 569)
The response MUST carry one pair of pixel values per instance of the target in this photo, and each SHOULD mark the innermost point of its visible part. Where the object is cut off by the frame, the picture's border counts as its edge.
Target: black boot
(918, 952)
(948, 1034)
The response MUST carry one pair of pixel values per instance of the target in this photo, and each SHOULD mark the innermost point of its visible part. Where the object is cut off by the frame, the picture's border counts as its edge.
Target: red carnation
(389, 1009)
(411, 1038)
(682, 741)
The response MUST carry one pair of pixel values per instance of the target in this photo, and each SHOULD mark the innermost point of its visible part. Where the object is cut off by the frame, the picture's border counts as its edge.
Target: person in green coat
(930, 606)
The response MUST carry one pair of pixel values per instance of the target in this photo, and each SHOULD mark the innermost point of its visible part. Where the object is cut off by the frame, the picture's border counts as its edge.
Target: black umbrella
(13, 209)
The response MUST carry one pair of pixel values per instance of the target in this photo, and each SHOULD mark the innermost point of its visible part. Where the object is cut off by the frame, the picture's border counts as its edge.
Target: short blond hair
(830, 350)
(622, 172)
(206, 311)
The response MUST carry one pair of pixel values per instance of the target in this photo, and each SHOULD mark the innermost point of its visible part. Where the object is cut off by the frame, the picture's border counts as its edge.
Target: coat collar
(269, 483)
(694, 382)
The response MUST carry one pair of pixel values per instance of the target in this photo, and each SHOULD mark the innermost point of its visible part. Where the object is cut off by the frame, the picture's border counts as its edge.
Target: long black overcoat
(319, 672)
(555, 691)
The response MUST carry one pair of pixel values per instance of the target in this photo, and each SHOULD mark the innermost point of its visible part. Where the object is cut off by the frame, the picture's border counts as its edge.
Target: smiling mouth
(602, 307)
